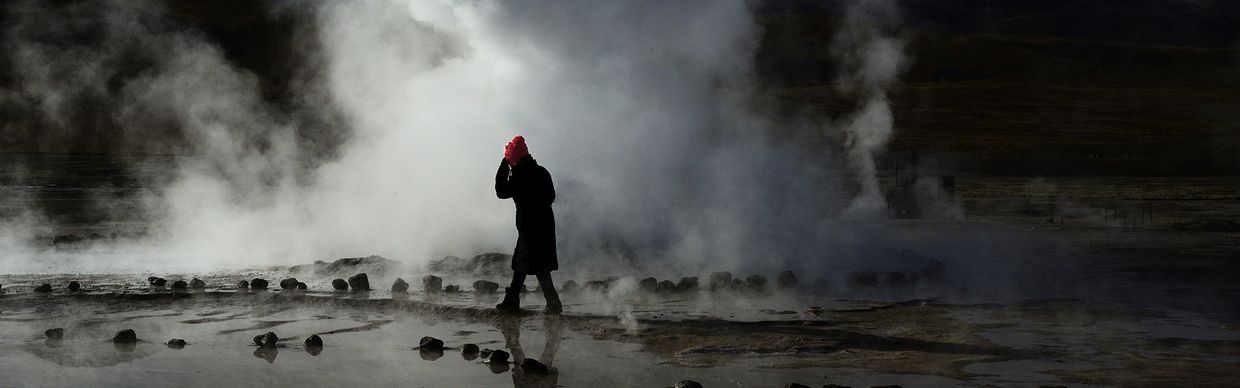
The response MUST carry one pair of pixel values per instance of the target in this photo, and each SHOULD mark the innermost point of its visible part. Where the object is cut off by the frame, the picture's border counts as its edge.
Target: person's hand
(503, 163)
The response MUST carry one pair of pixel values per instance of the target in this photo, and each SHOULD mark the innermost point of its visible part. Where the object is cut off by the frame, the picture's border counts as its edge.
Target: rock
(896, 279)
(243, 285)
(126, 336)
(485, 353)
(570, 287)
(720, 280)
(786, 280)
(359, 282)
(267, 340)
(74, 286)
(156, 281)
(340, 284)
(43, 289)
(452, 289)
(54, 334)
(688, 383)
(469, 348)
(532, 366)
(486, 287)
(288, 284)
(258, 284)
(648, 284)
(687, 284)
(738, 285)
(486, 264)
(497, 356)
(314, 341)
(665, 287)
(430, 343)
(176, 343)
(596, 286)
(400, 286)
(180, 285)
(432, 284)
(197, 284)
(378, 265)
(795, 385)
(301, 286)
(756, 283)
(862, 278)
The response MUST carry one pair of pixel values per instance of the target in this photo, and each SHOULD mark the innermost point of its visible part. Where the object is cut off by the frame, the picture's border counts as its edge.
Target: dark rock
(267, 340)
(432, 284)
(795, 385)
(400, 286)
(301, 286)
(486, 287)
(74, 286)
(288, 284)
(126, 336)
(532, 366)
(430, 343)
(156, 281)
(176, 343)
(485, 353)
(497, 356)
(862, 278)
(570, 287)
(648, 284)
(720, 280)
(486, 264)
(596, 286)
(258, 284)
(243, 285)
(314, 340)
(786, 280)
(180, 285)
(896, 279)
(452, 289)
(370, 264)
(665, 287)
(359, 282)
(55, 334)
(340, 284)
(687, 284)
(688, 383)
(469, 348)
(43, 289)
(756, 283)
(197, 284)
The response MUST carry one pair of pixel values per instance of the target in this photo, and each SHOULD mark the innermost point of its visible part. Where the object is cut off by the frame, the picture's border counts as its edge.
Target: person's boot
(553, 301)
(512, 301)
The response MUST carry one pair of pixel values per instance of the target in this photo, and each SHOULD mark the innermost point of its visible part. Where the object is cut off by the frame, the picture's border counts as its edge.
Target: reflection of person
(529, 185)
(511, 328)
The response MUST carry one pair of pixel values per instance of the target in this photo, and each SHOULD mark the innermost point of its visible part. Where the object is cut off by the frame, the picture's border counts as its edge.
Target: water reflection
(268, 354)
(552, 330)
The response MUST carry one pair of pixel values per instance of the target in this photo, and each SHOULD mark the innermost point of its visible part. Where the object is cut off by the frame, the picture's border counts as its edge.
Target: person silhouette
(529, 186)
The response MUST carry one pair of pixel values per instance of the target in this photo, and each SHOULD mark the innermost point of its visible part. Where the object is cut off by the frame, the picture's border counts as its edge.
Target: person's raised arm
(503, 188)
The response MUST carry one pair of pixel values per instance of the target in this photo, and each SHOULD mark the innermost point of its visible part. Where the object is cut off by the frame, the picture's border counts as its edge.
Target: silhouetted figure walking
(529, 185)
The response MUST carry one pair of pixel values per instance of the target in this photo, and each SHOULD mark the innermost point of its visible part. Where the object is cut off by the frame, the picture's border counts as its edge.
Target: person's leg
(548, 289)
(512, 294)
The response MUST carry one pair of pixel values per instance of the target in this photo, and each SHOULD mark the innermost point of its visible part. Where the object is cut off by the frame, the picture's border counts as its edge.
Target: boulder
(400, 286)
(648, 284)
(180, 285)
(197, 284)
(55, 334)
(430, 343)
(720, 280)
(340, 284)
(570, 287)
(43, 289)
(74, 286)
(301, 286)
(176, 343)
(497, 356)
(532, 366)
(687, 284)
(156, 281)
(127, 336)
(665, 287)
(243, 285)
(288, 284)
(688, 383)
(267, 340)
(786, 280)
(486, 287)
(862, 278)
(359, 282)
(452, 289)
(432, 284)
(314, 341)
(469, 349)
(756, 283)
(258, 284)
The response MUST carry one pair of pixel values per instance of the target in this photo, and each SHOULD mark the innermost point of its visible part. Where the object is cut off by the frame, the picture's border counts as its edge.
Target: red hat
(515, 150)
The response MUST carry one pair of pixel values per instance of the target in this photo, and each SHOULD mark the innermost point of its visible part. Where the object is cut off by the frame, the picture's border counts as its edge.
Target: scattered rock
(532, 366)
(55, 334)
(570, 287)
(74, 286)
(43, 289)
(180, 285)
(786, 280)
(258, 284)
(197, 284)
(688, 383)
(687, 284)
(340, 284)
(665, 287)
(126, 336)
(430, 343)
(400, 286)
(452, 289)
(486, 287)
(648, 284)
(176, 343)
(243, 285)
(756, 283)
(314, 341)
(469, 348)
(359, 282)
(497, 356)
(432, 284)
(156, 281)
(288, 284)
(862, 278)
(720, 280)
(267, 340)
(301, 286)
(896, 279)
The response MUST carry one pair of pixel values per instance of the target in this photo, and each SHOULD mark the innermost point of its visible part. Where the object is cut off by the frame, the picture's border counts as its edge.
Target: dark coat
(529, 186)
